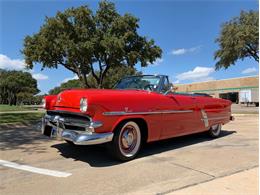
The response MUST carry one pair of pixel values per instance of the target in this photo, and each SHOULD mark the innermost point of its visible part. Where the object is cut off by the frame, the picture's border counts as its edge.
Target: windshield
(150, 83)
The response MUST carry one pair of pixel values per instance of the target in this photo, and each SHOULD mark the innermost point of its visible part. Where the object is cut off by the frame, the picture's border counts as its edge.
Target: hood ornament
(59, 98)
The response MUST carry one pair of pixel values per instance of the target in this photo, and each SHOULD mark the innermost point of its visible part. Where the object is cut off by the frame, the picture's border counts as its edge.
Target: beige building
(226, 88)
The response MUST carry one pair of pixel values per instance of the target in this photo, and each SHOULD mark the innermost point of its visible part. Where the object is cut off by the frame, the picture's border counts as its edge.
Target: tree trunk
(95, 76)
(253, 53)
(102, 76)
(83, 80)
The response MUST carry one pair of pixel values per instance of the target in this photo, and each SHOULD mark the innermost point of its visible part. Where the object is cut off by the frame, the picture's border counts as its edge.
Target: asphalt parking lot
(244, 109)
(162, 167)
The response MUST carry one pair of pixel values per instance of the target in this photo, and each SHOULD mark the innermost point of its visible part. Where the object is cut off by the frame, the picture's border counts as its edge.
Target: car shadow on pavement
(98, 156)
(26, 137)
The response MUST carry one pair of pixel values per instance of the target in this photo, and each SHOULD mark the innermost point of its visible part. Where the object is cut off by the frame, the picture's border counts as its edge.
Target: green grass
(6, 108)
(19, 117)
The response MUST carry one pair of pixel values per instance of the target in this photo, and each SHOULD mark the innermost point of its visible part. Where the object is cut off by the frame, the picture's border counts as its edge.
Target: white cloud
(11, 64)
(249, 70)
(199, 73)
(156, 62)
(18, 64)
(176, 82)
(39, 76)
(70, 78)
(29, 70)
(181, 51)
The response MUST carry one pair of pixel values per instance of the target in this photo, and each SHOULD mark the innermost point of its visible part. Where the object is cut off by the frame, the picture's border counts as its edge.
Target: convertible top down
(140, 109)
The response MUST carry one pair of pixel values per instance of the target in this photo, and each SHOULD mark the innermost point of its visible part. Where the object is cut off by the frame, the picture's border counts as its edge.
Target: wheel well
(141, 123)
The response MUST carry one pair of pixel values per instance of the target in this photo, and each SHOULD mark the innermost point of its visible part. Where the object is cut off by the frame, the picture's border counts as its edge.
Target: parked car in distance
(140, 109)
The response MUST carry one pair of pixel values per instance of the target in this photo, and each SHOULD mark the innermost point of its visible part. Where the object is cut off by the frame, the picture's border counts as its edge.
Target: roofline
(216, 80)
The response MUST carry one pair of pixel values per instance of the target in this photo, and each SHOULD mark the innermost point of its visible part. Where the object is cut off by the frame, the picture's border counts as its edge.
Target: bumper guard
(55, 127)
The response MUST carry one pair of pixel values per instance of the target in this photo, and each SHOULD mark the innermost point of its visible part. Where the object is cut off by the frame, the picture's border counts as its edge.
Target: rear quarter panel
(218, 110)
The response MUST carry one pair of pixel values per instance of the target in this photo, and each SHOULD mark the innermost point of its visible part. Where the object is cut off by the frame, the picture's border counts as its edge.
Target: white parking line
(34, 169)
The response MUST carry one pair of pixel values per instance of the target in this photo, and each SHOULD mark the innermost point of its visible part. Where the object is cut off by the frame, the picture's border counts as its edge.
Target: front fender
(154, 126)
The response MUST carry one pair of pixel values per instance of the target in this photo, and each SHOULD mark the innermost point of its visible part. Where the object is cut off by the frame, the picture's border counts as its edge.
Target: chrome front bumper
(56, 126)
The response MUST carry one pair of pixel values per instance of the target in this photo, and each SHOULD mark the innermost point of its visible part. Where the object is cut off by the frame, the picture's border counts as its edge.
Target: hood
(71, 98)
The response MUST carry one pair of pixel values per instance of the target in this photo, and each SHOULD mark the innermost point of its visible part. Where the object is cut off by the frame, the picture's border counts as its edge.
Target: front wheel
(215, 130)
(126, 142)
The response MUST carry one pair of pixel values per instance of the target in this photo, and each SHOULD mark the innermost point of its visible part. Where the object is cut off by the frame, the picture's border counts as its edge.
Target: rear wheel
(127, 141)
(215, 130)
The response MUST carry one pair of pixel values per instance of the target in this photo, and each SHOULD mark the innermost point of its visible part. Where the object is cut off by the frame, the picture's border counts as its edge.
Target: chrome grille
(68, 120)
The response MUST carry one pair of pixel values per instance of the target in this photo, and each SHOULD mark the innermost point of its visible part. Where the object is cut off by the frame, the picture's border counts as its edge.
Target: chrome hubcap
(128, 139)
(215, 129)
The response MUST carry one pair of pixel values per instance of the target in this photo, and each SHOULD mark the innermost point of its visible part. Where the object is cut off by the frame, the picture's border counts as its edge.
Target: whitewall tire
(127, 140)
(215, 130)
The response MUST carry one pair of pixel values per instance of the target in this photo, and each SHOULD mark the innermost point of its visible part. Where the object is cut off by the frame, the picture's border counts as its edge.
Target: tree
(71, 84)
(37, 99)
(114, 75)
(15, 85)
(90, 43)
(238, 39)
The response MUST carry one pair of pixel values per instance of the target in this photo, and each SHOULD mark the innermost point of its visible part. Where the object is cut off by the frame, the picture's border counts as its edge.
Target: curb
(245, 114)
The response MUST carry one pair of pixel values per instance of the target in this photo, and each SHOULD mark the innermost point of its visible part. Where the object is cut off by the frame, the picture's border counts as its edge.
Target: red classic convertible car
(140, 109)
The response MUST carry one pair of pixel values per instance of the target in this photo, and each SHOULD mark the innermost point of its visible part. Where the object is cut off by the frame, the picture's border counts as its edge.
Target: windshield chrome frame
(158, 89)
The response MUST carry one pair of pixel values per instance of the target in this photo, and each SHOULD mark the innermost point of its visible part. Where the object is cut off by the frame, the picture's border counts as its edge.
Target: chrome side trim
(216, 118)
(120, 113)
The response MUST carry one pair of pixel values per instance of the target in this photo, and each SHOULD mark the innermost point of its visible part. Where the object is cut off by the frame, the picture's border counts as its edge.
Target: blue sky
(185, 30)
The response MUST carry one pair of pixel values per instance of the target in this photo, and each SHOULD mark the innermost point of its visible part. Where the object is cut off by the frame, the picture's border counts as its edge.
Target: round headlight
(43, 103)
(83, 104)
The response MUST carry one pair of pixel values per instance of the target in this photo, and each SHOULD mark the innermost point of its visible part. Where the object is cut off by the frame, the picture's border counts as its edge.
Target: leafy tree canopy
(238, 39)
(114, 75)
(16, 87)
(90, 43)
(71, 84)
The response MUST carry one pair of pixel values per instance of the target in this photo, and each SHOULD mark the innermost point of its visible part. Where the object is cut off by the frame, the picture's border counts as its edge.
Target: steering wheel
(148, 87)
